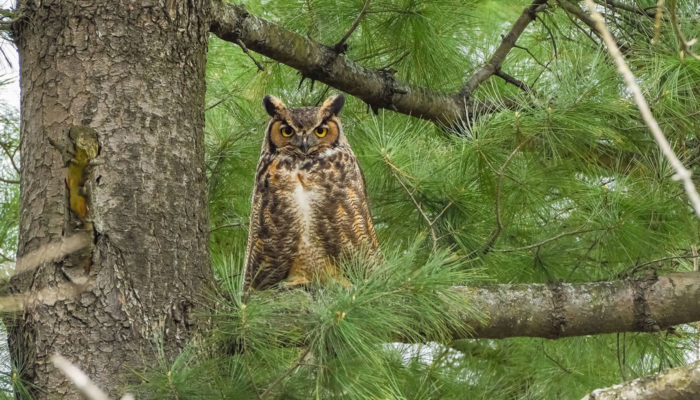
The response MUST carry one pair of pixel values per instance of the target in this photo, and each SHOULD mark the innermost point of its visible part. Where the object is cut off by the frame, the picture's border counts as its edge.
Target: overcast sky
(9, 94)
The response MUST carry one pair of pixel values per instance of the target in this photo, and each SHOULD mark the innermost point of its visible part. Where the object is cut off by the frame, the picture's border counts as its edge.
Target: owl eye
(320, 131)
(287, 131)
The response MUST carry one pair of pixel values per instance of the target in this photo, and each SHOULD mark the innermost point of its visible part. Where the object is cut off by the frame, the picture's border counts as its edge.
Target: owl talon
(294, 283)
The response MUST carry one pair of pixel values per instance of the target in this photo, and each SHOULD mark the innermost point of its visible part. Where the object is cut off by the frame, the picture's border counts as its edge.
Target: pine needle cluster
(570, 187)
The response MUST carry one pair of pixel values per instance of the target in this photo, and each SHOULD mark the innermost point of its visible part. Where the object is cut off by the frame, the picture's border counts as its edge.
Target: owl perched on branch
(309, 203)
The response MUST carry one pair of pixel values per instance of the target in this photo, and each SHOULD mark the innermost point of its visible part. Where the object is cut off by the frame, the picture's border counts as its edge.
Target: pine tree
(544, 173)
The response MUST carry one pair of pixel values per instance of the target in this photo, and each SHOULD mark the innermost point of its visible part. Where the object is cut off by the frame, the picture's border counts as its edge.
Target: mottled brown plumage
(309, 203)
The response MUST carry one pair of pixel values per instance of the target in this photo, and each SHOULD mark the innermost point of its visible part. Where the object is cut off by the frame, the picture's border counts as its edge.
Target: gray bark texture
(378, 88)
(682, 383)
(132, 71)
(559, 310)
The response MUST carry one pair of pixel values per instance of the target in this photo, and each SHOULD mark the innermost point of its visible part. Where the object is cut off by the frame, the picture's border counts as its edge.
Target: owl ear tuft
(333, 104)
(274, 106)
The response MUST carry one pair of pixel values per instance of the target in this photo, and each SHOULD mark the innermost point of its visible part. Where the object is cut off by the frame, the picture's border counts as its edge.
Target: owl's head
(304, 131)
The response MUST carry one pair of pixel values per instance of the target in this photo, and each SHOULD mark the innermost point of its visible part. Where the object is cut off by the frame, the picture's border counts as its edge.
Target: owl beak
(305, 144)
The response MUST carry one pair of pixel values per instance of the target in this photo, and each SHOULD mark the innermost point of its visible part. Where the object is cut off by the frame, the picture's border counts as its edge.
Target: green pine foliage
(570, 188)
(10, 382)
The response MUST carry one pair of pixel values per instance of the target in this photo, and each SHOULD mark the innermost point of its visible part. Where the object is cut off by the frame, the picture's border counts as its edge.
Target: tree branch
(682, 174)
(377, 88)
(673, 384)
(685, 44)
(319, 62)
(581, 15)
(340, 46)
(559, 310)
(614, 4)
(494, 63)
(513, 81)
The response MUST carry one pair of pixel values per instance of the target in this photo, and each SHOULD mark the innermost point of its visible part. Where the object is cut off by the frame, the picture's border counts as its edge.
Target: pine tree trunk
(134, 72)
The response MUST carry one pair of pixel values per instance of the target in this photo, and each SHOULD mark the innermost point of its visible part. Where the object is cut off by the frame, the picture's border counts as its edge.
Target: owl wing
(362, 224)
(345, 222)
(269, 252)
(273, 238)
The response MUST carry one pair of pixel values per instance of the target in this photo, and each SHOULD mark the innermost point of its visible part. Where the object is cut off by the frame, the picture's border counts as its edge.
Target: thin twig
(433, 235)
(622, 6)
(10, 155)
(682, 173)
(245, 50)
(545, 66)
(620, 361)
(12, 181)
(657, 21)
(340, 46)
(585, 255)
(551, 36)
(442, 212)
(322, 96)
(6, 258)
(551, 239)
(577, 12)
(497, 203)
(555, 361)
(513, 81)
(589, 33)
(694, 250)
(658, 260)
(233, 225)
(81, 381)
(494, 63)
(288, 372)
(685, 45)
(398, 60)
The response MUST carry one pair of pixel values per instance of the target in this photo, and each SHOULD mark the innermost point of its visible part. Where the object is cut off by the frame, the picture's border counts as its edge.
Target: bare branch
(685, 45)
(514, 81)
(557, 310)
(79, 378)
(81, 381)
(226, 226)
(657, 21)
(674, 384)
(545, 66)
(378, 88)
(551, 37)
(53, 251)
(47, 296)
(433, 235)
(245, 50)
(322, 63)
(10, 155)
(543, 242)
(682, 173)
(497, 203)
(340, 46)
(289, 371)
(626, 7)
(494, 63)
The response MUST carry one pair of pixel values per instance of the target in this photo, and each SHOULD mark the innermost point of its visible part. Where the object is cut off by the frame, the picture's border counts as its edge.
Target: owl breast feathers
(309, 203)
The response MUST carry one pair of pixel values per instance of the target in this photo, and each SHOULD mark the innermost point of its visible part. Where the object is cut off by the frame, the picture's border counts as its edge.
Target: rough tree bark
(557, 310)
(682, 383)
(133, 72)
(378, 88)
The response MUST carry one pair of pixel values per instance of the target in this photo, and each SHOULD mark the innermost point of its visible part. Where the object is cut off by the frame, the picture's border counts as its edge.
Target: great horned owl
(309, 203)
